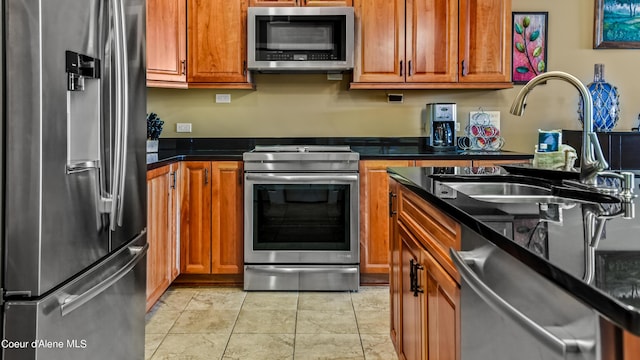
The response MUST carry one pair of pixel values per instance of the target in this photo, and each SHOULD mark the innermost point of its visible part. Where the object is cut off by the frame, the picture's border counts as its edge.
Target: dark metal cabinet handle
(173, 180)
(410, 69)
(413, 277)
(206, 176)
(184, 67)
(465, 71)
(401, 67)
(391, 211)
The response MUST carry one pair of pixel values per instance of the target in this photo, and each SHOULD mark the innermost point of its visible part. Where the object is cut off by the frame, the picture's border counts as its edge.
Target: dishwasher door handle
(558, 345)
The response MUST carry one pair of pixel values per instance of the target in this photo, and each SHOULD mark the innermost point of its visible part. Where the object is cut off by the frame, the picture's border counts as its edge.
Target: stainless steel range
(301, 227)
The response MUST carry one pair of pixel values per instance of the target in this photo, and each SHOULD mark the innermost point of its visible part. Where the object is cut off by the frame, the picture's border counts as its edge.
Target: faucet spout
(590, 165)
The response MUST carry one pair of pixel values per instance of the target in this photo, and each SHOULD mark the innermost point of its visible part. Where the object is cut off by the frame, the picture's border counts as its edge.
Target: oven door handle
(291, 270)
(462, 260)
(294, 178)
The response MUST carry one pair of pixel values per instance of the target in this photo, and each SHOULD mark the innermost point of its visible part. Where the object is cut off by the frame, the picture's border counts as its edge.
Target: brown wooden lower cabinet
(424, 285)
(162, 266)
(374, 214)
(374, 209)
(211, 217)
(631, 346)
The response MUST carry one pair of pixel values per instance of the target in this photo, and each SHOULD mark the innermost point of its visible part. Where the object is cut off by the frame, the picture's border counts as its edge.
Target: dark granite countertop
(552, 243)
(176, 149)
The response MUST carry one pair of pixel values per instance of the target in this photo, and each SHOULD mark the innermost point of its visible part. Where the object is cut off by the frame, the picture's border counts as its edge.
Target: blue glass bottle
(606, 102)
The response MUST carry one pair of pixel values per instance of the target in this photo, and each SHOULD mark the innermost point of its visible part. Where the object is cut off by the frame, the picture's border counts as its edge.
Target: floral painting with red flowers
(529, 41)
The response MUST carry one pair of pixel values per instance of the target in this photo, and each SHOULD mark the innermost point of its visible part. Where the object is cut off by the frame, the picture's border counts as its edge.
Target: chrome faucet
(590, 164)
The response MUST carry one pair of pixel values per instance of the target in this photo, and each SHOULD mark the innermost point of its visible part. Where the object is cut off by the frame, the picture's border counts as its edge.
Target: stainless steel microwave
(300, 38)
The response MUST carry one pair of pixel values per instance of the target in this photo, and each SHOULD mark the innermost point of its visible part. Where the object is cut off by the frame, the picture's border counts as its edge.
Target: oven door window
(301, 217)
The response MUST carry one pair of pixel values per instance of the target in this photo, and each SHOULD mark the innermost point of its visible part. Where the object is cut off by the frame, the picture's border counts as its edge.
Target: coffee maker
(441, 127)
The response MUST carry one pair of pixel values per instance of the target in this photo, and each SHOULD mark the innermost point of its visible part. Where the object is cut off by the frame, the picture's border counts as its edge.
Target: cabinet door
(195, 217)
(174, 212)
(442, 336)
(484, 46)
(394, 272)
(380, 41)
(166, 42)
(158, 233)
(227, 217)
(374, 214)
(631, 346)
(431, 41)
(217, 41)
(412, 314)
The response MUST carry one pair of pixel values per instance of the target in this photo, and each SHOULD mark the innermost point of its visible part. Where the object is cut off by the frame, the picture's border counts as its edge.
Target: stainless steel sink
(507, 192)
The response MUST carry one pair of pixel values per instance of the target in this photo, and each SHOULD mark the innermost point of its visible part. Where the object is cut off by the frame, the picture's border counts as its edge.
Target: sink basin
(507, 192)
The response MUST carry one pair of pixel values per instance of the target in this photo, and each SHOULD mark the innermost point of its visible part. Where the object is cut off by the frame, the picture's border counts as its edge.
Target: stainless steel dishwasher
(508, 311)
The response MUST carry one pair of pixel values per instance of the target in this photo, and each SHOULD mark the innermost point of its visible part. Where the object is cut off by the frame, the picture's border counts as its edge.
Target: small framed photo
(617, 25)
(529, 45)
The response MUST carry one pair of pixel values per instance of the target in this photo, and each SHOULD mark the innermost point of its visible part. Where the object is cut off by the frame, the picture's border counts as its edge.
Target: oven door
(301, 218)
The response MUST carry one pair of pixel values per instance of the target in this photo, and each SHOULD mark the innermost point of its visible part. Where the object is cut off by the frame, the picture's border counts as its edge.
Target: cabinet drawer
(437, 231)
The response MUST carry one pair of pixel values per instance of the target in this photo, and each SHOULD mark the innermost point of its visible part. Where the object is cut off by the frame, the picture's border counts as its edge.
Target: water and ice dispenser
(441, 127)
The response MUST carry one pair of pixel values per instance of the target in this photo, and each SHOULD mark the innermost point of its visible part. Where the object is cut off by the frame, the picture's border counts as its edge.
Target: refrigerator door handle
(121, 104)
(72, 302)
(124, 56)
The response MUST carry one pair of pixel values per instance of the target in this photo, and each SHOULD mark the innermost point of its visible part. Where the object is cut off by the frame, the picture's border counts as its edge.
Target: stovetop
(293, 158)
(302, 148)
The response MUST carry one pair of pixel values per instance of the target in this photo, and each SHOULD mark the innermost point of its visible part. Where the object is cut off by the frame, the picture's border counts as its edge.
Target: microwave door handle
(462, 259)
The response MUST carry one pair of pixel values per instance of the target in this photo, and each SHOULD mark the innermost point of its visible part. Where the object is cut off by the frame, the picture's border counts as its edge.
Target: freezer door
(98, 316)
(64, 115)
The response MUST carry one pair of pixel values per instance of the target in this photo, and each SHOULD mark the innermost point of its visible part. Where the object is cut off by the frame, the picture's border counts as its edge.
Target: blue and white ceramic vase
(606, 102)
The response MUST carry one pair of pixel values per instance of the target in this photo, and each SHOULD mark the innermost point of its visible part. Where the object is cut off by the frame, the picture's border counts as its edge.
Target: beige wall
(311, 105)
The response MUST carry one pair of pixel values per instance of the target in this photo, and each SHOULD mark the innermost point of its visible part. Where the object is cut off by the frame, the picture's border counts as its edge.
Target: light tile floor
(229, 324)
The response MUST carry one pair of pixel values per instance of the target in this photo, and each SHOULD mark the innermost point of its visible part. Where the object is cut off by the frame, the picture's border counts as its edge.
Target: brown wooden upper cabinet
(300, 2)
(167, 43)
(197, 44)
(485, 41)
(422, 44)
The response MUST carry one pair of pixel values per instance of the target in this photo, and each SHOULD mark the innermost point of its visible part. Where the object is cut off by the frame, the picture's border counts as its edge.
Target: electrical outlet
(457, 126)
(223, 98)
(183, 127)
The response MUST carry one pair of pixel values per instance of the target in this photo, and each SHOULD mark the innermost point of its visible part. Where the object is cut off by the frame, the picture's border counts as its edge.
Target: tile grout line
(353, 307)
(234, 326)
(295, 327)
(164, 304)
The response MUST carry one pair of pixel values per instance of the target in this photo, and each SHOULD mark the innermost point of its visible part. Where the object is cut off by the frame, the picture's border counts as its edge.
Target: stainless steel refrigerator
(73, 179)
